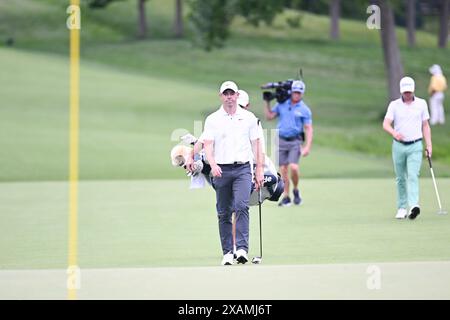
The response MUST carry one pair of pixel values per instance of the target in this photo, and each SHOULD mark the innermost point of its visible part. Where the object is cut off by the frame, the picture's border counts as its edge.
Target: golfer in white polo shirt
(410, 117)
(230, 137)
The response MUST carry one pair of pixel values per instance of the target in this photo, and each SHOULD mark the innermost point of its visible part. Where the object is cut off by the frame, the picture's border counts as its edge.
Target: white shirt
(408, 118)
(232, 135)
(261, 137)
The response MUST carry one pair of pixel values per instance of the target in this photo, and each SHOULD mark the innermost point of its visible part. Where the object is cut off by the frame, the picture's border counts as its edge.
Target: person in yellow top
(438, 84)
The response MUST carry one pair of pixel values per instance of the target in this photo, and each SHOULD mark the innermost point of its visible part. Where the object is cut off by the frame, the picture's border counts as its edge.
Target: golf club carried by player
(410, 117)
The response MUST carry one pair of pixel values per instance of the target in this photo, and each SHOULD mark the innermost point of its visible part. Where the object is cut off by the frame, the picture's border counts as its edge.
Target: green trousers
(407, 162)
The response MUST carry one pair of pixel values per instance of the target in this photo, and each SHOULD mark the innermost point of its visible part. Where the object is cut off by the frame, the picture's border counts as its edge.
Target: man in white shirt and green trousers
(410, 117)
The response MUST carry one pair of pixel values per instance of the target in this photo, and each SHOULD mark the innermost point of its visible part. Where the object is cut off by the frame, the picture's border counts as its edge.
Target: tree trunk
(392, 59)
(178, 25)
(334, 17)
(411, 21)
(443, 23)
(142, 21)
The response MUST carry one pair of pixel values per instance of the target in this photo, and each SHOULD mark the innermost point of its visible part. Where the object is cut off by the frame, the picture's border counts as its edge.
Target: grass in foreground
(162, 223)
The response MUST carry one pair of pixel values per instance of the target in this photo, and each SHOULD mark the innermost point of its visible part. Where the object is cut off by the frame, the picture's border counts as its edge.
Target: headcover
(179, 155)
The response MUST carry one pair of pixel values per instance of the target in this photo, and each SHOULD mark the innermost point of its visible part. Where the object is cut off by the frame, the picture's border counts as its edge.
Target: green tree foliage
(142, 20)
(314, 6)
(256, 11)
(210, 21)
(99, 3)
(356, 9)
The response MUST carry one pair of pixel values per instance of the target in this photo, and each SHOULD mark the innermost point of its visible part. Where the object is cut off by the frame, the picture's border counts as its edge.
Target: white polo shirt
(232, 135)
(408, 118)
(261, 138)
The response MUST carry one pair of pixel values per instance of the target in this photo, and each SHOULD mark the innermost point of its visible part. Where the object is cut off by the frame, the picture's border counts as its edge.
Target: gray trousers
(233, 194)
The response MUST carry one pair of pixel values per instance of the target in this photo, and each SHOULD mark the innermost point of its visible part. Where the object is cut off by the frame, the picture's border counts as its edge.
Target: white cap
(243, 98)
(435, 69)
(298, 86)
(228, 85)
(407, 85)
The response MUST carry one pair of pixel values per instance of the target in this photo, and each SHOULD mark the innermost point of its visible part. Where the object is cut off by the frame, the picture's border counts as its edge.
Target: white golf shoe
(241, 256)
(227, 259)
(401, 213)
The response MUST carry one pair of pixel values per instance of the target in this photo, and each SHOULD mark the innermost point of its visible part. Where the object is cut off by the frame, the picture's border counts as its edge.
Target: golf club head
(442, 211)
(256, 260)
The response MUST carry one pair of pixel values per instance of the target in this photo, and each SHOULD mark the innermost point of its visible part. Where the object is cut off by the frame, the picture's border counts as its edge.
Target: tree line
(211, 19)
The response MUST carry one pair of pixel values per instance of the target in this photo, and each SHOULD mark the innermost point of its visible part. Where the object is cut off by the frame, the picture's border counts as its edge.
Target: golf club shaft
(436, 189)
(260, 224)
(434, 180)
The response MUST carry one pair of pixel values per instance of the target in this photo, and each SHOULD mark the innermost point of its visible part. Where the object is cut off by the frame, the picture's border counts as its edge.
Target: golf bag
(273, 185)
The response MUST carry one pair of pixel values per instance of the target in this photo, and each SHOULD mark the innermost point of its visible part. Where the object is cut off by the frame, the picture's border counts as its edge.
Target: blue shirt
(292, 118)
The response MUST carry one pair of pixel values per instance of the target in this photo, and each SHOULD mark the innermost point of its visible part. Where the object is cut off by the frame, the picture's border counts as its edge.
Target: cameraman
(294, 125)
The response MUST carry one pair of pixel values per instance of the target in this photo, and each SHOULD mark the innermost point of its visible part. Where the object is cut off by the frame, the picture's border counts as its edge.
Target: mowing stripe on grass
(376, 280)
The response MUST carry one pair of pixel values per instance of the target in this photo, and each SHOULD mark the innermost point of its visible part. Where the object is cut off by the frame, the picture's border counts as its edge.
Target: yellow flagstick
(73, 24)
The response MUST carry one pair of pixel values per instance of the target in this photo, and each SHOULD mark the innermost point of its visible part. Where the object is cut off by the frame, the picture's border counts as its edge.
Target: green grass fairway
(138, 222)
(127, 132)
(124, 224)
(158, 240)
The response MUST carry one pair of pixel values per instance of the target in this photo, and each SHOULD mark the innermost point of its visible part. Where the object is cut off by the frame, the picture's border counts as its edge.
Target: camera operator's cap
(243, 98)
(407, 85)
(298, 86)
(228, 85)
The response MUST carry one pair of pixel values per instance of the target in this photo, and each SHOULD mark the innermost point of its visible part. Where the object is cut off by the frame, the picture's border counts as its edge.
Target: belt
(290, 138)
(234, 164)
(409, 142)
